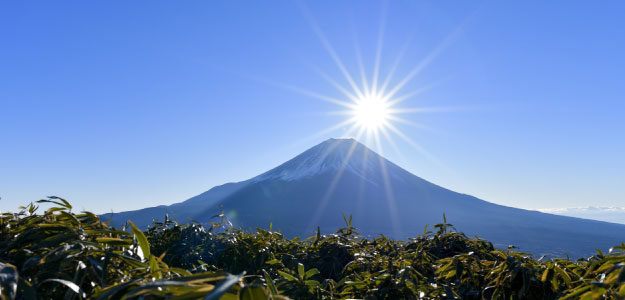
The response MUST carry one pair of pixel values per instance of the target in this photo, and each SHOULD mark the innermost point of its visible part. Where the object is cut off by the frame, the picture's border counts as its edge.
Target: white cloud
(605, 213)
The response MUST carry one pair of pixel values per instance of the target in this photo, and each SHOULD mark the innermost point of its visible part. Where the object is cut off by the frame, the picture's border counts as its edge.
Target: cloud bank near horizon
(605, 213)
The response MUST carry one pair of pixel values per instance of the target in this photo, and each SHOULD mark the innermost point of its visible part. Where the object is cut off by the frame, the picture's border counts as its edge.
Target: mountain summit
(333, 156)
(343, 176)
(329, 156)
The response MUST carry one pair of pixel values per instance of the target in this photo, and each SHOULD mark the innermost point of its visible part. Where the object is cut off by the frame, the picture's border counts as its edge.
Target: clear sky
(120, 105)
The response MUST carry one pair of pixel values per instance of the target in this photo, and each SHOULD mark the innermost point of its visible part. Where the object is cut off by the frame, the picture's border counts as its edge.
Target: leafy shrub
(59, 254)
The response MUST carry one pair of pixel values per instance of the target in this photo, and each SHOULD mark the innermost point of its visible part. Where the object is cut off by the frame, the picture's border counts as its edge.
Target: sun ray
(353, 128)
(425, 109)
(340, 113)
(361, 68)
(326, 44)
(312, 94)
(397, 100)
(390, 199)
(416, 146)
(394, 66)
(296, 89)
(378, 52)
(363, 181)
(425, 62)
(319, 134)
(407, 122)
(390, 140)
(337, 85)
(359, 60)
(408, 140)
(331, 128)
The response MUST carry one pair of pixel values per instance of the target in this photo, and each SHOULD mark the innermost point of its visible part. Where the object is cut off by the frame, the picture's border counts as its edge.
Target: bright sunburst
(371, 112)
(371, 101)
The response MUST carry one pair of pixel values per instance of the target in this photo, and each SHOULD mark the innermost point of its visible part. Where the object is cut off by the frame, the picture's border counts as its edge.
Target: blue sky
(123, 105)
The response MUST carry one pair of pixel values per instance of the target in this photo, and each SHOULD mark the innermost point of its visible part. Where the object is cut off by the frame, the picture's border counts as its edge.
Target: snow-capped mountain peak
(343, 176)
(332, 155)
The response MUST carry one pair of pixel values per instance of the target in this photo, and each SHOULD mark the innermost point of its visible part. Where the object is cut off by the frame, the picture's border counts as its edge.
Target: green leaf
(141, 239)
(270, 283)
(576, 292)
(450, 274)
(287, 276)
(313, 283)
(300, 271)
(273, 262)
(63, 202)
(154, 267)
(72, 286)
(312, 272)
(66, 204)
(563, 275)
(116, 290)
(113, 241)
(546, 275)
(229, 296)
(252, 293)
(107, 232)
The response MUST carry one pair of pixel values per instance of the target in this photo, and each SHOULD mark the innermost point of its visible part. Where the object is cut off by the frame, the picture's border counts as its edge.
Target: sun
(373, 104)
(371, 112)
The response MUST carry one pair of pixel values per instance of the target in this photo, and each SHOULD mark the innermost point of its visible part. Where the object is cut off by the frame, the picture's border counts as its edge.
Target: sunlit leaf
(141, 239)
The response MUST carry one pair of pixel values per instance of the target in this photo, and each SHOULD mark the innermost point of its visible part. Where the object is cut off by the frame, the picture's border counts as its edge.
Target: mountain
(343, 176)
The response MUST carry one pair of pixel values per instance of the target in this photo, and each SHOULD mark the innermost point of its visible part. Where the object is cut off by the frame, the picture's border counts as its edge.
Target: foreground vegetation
(59, 254)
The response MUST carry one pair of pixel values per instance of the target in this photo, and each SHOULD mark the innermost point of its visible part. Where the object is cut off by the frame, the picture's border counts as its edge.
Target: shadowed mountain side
(182, 212)
(296, 208)
(343, 176)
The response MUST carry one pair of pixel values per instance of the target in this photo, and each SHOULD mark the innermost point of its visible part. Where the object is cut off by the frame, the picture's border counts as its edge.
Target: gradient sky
(119, 105)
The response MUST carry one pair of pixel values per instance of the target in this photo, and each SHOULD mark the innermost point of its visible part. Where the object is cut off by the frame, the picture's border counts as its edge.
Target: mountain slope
(343, 176)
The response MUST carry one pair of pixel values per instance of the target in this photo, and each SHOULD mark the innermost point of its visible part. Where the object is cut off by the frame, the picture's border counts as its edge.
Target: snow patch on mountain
(331, 155)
